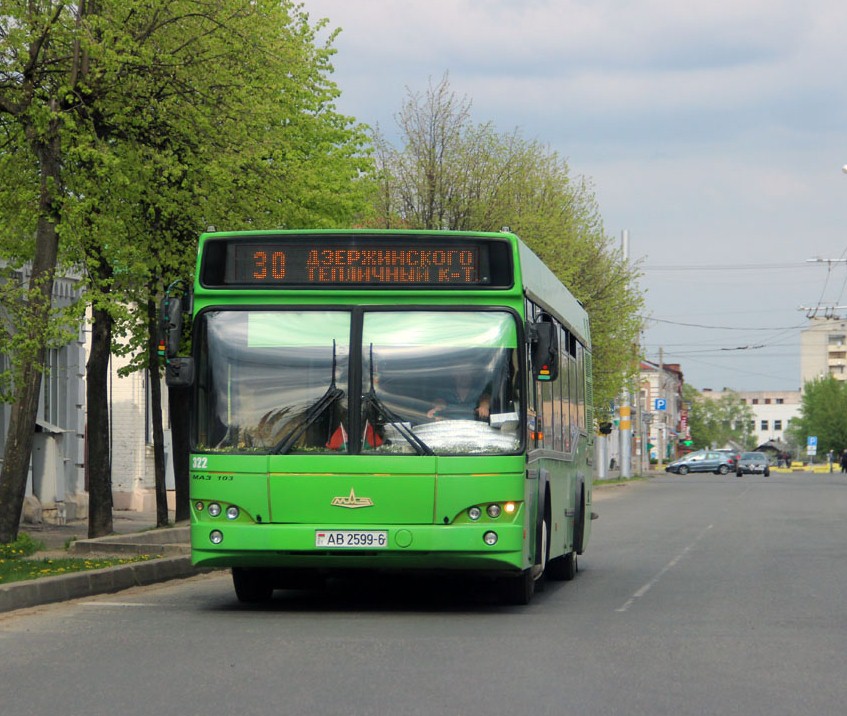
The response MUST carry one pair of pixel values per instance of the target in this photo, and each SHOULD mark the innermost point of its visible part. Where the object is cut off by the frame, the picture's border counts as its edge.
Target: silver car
(702, 461)
(752, 463)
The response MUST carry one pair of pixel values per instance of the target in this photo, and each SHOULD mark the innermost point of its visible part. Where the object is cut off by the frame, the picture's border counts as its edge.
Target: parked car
(753, 463)
(702, 461)
(731, 454)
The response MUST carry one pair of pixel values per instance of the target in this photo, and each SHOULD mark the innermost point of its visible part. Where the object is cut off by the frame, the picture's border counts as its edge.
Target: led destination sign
(355, 261)
(303, 265)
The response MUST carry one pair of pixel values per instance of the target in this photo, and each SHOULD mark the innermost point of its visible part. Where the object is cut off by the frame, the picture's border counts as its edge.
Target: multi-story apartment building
(823, 349)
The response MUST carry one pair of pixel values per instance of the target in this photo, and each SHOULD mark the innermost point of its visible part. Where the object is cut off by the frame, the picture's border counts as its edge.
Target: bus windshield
(426, 382)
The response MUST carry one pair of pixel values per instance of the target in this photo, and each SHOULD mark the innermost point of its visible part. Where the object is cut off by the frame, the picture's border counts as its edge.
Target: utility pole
(626, 407)
(660, 448)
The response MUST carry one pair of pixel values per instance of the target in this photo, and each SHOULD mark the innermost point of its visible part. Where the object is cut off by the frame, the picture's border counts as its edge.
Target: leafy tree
(42, 75)
(823, 413)
(174, 115)
(717, 422)
(453, 174)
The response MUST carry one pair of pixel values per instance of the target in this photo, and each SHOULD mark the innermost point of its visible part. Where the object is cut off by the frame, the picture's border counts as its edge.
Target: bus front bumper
(475, 547)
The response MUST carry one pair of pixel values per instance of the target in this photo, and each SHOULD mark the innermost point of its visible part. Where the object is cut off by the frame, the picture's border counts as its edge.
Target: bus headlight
(214, 509)
(231, 512)
(216, 536)
(493, 511)
(474, 513)
(490, 538)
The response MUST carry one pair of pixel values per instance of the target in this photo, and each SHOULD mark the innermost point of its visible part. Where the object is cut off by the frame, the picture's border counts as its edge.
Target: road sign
(660, 404)
(812, 445)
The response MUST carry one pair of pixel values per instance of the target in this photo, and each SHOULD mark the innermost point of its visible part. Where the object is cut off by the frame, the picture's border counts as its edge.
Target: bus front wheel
(518, 590)
(252, 586)
(563, 568)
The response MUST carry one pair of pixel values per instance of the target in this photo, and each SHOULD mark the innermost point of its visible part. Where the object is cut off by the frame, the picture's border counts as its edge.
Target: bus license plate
(352, 539)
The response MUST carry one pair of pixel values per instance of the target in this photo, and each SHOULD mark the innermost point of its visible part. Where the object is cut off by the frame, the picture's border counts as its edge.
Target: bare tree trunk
(158, 431)
(19, 439)
(99, 434)
(18, 451)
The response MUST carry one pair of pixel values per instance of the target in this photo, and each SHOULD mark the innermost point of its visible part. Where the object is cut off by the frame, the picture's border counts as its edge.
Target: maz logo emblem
(351, 501)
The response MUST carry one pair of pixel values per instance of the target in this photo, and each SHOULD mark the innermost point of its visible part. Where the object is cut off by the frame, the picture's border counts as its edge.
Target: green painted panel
(327, 499)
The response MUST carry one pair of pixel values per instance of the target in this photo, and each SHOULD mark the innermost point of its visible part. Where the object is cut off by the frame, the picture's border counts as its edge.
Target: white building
(772, 410)
(133, 469)
(57, 485)
(55, 488)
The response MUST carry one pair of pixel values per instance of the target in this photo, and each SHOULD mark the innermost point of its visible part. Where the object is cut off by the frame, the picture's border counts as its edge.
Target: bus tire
(579, 525)
(563, 568)
(538, 570)
(252, 586)
(518, 590)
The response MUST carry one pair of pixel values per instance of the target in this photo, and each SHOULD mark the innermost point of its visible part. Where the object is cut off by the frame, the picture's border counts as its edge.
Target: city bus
(377, 401)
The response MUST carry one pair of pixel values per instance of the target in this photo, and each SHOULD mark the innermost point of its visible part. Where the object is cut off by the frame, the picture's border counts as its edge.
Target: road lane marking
(641, 591)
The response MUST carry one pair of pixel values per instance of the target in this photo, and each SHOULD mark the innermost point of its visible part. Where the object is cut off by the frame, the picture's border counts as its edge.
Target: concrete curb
(167, 541)
(47, 590)
(170, 548)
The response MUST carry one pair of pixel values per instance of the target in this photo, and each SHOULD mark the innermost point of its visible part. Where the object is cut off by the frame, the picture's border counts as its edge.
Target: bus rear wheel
(252, 586)
(563, 568)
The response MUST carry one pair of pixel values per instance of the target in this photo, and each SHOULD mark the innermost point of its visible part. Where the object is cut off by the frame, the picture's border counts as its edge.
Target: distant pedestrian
(844, 461)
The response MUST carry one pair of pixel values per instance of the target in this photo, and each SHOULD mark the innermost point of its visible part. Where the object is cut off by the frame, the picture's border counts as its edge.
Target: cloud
(713, 132)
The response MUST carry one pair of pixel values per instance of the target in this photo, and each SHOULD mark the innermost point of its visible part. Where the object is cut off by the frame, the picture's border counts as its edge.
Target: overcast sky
(714, 133)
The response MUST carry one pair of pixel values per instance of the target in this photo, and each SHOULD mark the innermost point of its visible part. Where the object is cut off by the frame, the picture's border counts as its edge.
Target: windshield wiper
(370, 399)
(315, 410)
(318, 408)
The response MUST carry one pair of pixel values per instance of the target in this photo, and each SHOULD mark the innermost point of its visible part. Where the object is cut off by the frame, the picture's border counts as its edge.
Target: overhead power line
(722, 267)
(727, 328)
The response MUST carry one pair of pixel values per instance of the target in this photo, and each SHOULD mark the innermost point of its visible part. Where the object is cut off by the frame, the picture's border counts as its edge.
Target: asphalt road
(697, 595)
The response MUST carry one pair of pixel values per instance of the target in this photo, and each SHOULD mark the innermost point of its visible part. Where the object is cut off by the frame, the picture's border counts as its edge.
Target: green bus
(384, 401)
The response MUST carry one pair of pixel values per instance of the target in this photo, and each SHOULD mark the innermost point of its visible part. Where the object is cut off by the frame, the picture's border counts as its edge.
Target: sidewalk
(134, 534)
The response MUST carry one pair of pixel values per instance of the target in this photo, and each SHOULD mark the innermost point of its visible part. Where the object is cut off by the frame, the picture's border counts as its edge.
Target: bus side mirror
(179, 372)
(544, 349)
(171, 320)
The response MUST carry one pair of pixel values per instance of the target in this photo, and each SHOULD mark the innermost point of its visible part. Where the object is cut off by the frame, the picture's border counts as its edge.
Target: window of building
(777, 425)
(767, 401)
(779, 401)
(764, 425)
(51, 387)
(755, 401)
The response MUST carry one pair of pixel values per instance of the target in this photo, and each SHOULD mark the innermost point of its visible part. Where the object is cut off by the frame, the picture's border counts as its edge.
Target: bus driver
(464, 401)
